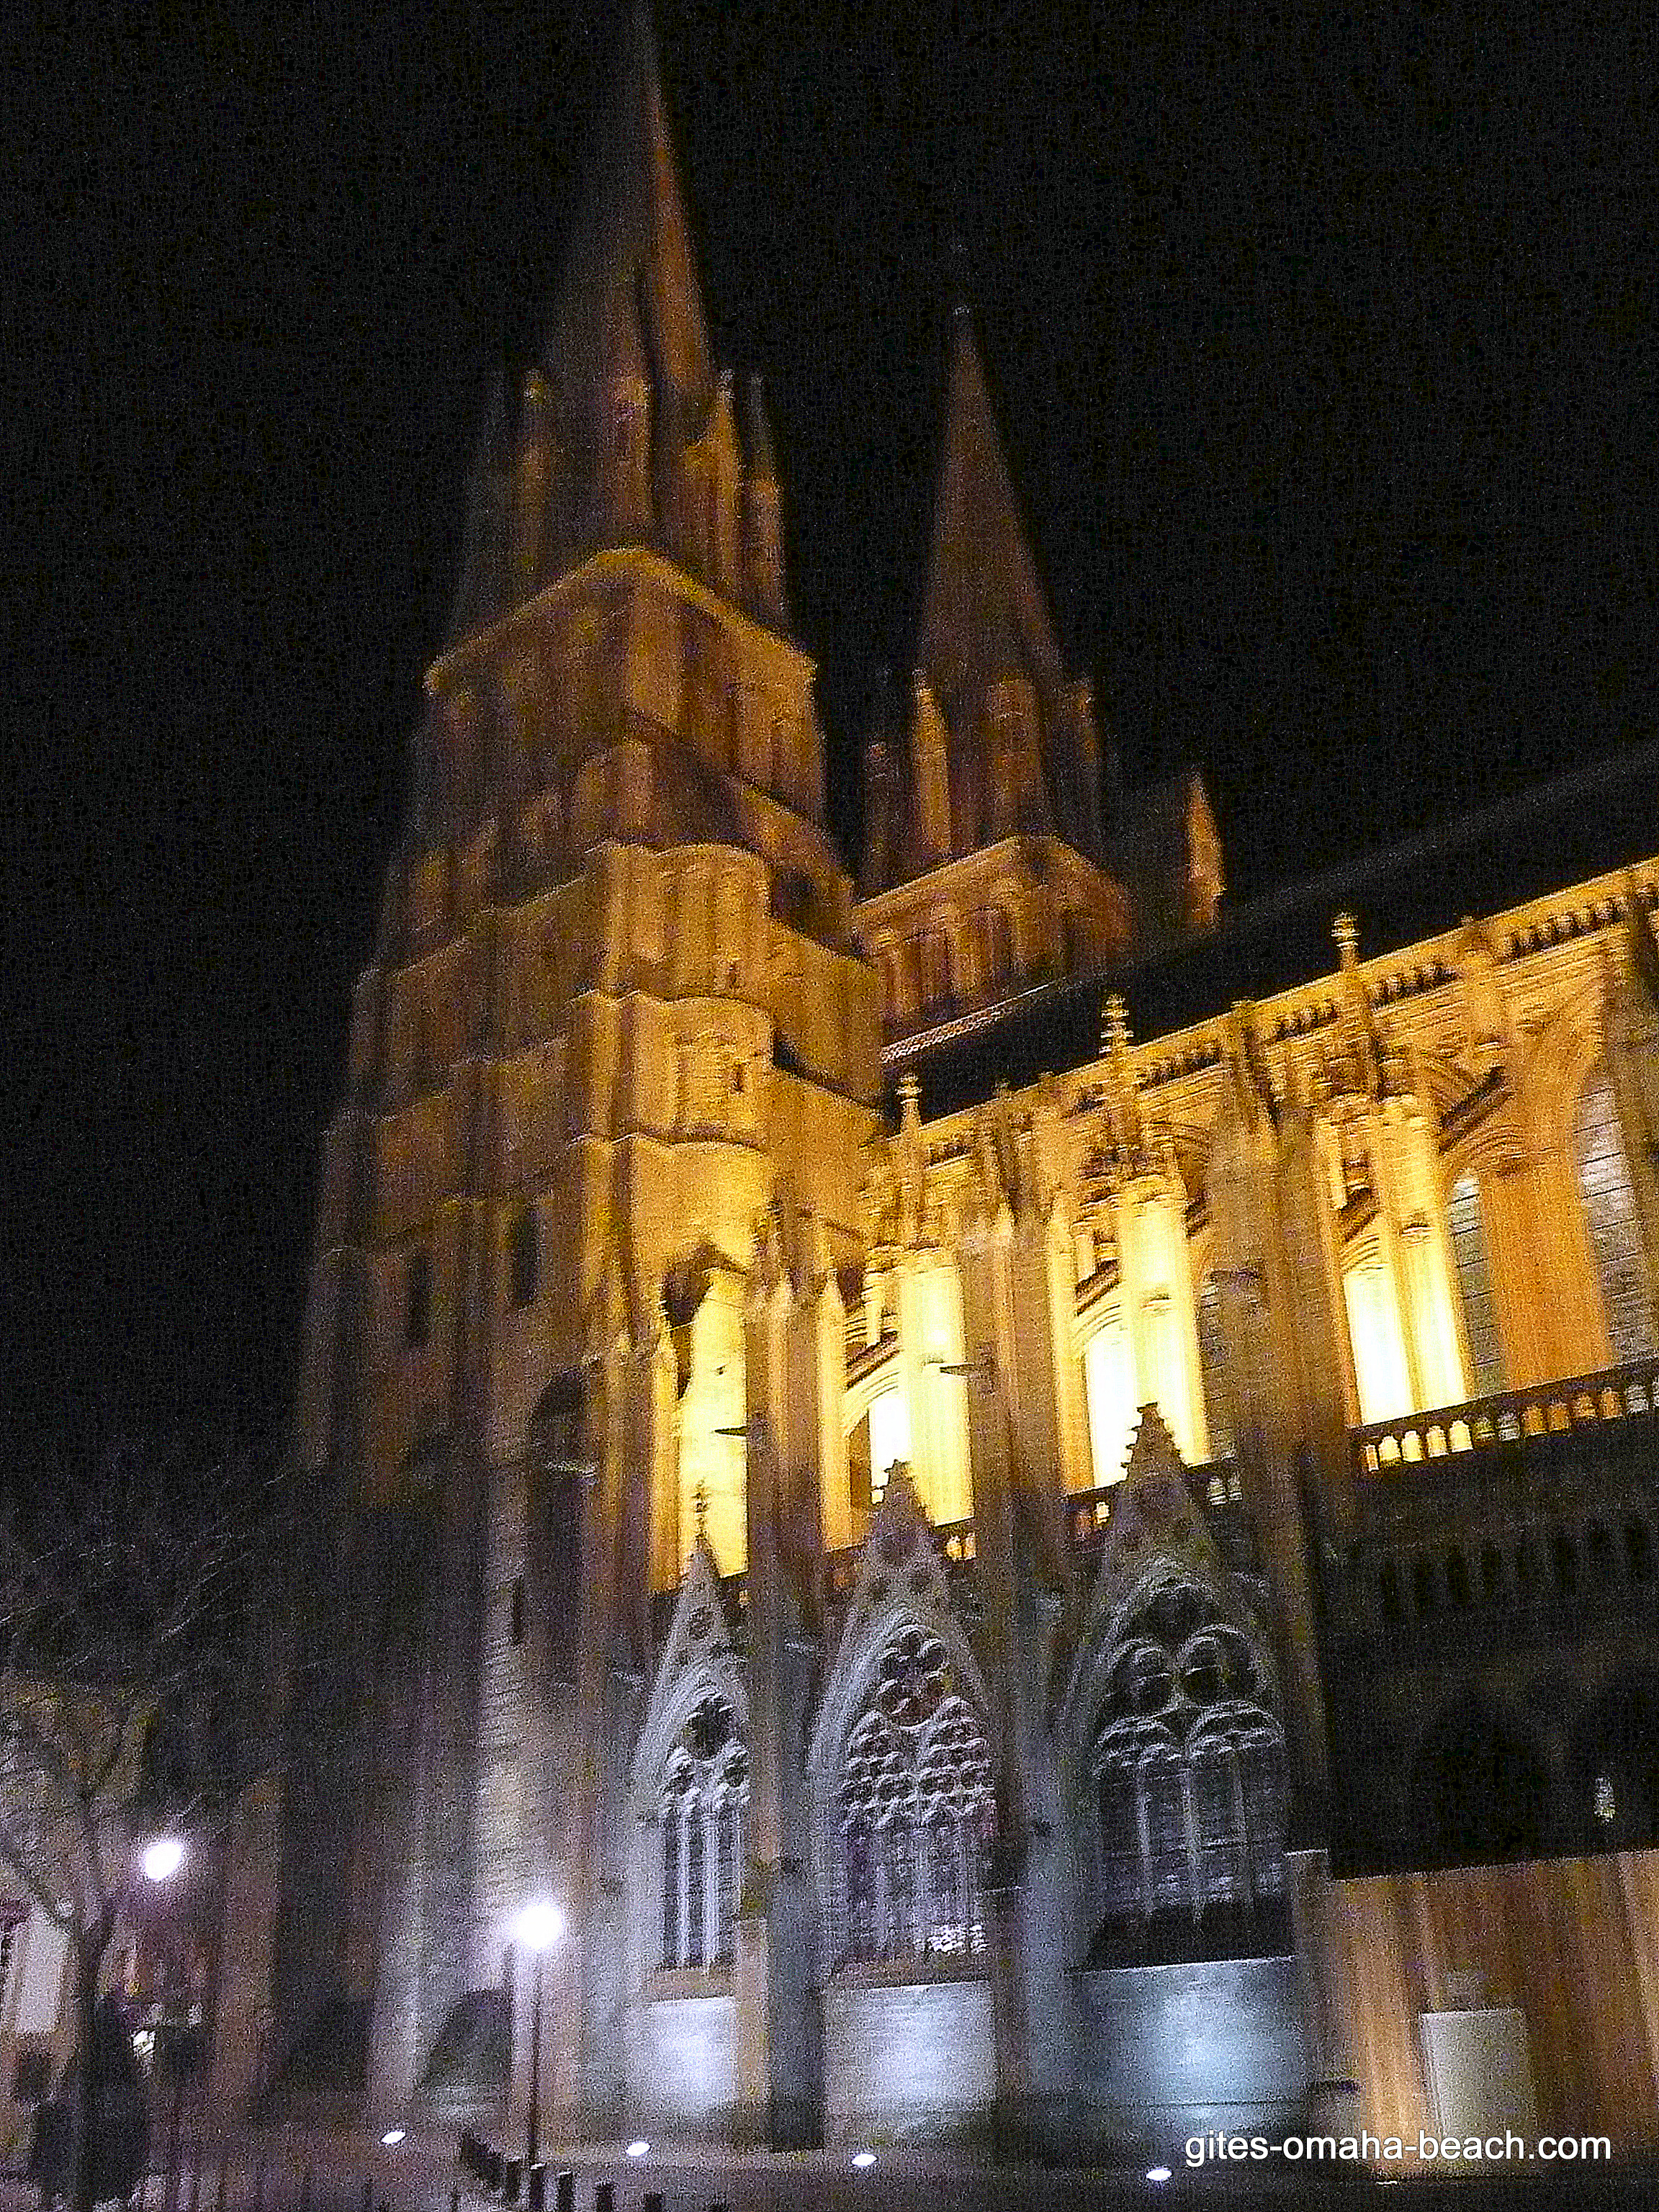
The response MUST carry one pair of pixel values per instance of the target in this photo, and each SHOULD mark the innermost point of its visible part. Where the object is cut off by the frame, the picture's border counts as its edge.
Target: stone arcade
(984, 1623)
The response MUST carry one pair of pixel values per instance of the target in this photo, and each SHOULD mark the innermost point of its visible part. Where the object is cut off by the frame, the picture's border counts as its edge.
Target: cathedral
(1031, 1505)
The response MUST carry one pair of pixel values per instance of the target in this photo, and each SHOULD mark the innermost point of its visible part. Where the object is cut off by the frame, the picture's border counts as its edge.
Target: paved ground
(294, 2171)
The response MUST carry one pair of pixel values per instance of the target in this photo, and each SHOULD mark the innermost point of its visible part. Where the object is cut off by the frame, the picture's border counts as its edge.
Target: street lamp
(161, 1858)
(538, 1928)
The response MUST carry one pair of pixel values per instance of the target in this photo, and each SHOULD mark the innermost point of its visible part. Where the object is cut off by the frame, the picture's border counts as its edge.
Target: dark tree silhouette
(136, 1673)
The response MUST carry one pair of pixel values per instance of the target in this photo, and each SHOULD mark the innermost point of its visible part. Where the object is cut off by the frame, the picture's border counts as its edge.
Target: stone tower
(613, 1014)
(984, 849)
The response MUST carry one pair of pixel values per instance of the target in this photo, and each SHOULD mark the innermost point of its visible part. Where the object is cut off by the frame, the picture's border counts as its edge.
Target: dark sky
(1324, 343)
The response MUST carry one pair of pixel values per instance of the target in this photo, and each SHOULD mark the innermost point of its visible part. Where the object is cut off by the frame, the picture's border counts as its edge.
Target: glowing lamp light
(863, 2158)
(540, 1926)
(392, 2136)
(638, 2147)
(163, 1859)
(1158, 2174)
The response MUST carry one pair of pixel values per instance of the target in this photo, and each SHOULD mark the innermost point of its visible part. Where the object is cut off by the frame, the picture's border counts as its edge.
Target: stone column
(576, 2088)
(778, 2063)
(1632, 1025)
(1273, 1267)
(1431, 1310)
(987, 1315)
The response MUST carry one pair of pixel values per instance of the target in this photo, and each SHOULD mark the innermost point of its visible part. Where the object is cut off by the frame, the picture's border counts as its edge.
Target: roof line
(1448, 836)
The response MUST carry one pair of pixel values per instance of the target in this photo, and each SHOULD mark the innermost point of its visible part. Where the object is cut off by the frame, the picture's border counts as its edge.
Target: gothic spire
(984, 616)
(630, 440)
(631, 275)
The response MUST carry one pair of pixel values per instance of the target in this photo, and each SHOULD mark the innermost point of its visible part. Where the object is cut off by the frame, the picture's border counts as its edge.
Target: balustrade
(1510, 1417)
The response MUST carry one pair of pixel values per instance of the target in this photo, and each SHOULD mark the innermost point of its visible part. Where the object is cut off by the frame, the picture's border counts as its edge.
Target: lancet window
(524, 1256)
(1189, 1776)
(1469, 1237)
(701, 1809)
(1213, 1369)
(937, 970)
(1609, 1201)
(915, 1814)
(996, 947)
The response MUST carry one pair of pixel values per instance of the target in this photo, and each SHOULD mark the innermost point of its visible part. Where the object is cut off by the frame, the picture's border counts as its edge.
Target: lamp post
(162, 1858)
(538, 1928)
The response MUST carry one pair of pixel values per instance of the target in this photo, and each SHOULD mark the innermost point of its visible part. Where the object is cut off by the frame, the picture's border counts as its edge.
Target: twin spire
(624, 434)
(628, 300)
(1000, 743)
(983, 616)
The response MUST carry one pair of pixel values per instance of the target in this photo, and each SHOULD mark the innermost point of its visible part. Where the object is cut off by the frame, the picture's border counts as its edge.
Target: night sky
(1324, 342)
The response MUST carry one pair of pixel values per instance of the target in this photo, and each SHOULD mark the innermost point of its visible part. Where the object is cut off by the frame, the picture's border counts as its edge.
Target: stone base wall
(685, 2074)
(917, 2060)
(1172, 2051)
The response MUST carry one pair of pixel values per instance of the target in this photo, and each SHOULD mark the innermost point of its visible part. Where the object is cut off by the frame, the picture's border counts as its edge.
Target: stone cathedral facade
(1081, 1604)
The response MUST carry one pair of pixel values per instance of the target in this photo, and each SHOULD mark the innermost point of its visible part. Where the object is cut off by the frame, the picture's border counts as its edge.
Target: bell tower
(985, 848)
(614, 1011)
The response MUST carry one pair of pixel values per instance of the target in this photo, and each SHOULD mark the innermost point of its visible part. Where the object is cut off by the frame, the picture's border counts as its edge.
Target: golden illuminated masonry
(945, 1572)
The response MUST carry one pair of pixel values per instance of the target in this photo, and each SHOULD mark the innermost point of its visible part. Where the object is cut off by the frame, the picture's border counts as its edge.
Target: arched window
(524, 1256)
(938, 975)
(1469, 1237)
(417, 1299)
(1212, 1366)
(915, 1814)
(887, 964)
(996, 940)
(1609, 1201)
(700, 1816)
(1190, 1778)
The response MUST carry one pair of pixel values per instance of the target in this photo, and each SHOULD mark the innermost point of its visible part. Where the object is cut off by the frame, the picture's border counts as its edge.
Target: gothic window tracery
(1609, 1200)
(700, 1818)
(1189, 1768)
(915, 1814)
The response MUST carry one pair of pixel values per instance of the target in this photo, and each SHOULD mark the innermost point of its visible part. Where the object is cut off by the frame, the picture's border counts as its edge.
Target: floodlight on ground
(863, 2158)
(1158, 2174)
(392, 2137)
(163, 1858)
(639, 2148)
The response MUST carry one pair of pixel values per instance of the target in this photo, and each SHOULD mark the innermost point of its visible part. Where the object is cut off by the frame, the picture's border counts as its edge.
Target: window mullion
(1246, 1857)
(1189, 1825)
(715, 1950)
(922, 1916)
(685, 1879)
